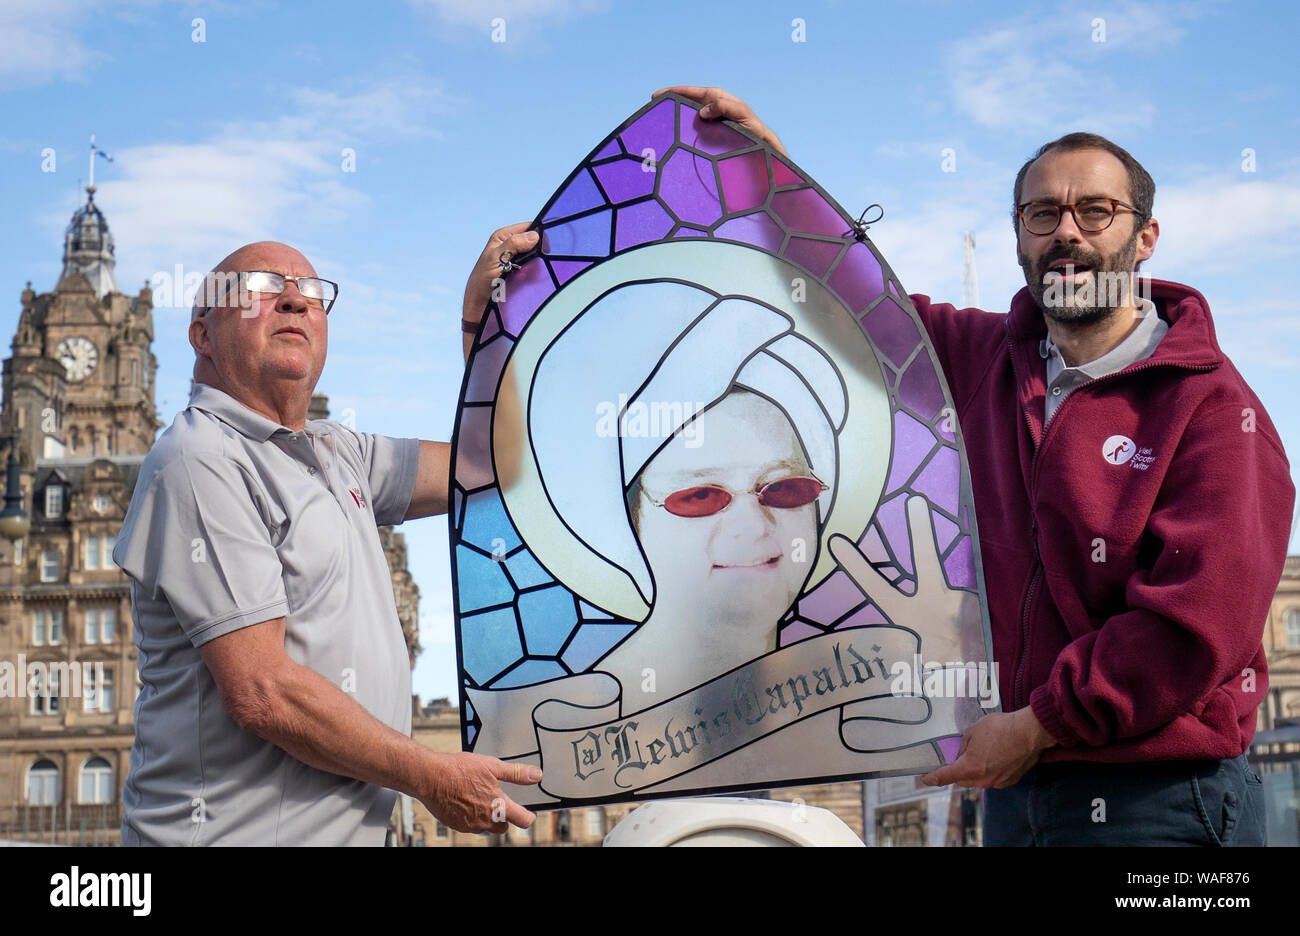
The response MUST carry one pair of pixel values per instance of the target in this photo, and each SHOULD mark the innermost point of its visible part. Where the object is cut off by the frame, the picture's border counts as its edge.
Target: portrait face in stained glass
(707, 488)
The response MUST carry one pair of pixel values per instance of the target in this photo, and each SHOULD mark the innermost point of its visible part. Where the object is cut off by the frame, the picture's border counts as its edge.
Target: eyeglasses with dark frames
(1092, 215)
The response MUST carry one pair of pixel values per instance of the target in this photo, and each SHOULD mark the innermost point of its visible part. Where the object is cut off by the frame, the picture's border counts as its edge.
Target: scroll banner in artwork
(589, 750)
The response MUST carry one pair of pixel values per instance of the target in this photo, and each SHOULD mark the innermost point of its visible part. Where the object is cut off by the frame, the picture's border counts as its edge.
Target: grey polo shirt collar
(1140, 344)
(230, 411)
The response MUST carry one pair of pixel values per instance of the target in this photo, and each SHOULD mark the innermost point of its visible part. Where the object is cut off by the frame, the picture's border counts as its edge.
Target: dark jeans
(1191, 803)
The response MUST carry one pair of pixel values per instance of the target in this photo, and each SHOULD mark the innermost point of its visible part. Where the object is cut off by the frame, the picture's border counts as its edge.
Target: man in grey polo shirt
(276, 699)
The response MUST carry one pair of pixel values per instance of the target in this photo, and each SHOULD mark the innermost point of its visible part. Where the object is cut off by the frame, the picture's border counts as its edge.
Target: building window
(441, 831)
(18, 552)
(595, 822)
(98, 551)
(47, 627)
(1293, 628)
(101, 625)
(50, 565)
(102, 502)
(45, 697)
(97, 781)
(96, 693)
(42, 783)
(53, 500)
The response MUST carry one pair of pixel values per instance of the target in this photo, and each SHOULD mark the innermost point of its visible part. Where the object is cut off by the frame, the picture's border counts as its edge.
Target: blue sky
(241, 137)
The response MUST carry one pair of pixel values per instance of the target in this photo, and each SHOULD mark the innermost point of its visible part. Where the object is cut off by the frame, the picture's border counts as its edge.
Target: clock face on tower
(79, 357)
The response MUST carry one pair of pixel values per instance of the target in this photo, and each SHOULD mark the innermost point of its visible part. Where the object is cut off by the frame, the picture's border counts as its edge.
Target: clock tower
(81, 380)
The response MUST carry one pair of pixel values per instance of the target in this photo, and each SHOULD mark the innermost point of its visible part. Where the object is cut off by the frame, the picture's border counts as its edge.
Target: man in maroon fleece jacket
(1133, 502)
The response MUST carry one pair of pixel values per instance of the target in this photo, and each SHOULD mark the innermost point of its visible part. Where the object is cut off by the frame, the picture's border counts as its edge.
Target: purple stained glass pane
(566, 270)
(625, 180)
(581, 237)
(690, 232)
(807, 211)
(783, 174)
(473, 448)
(492, 327)
(579, 195)
(609, 149)
(654, 131)
(485, 373)
(858, 278)
(814, 256)
(744, 181)
(960, 565)
(640, 223)
(868, 615)
(938, 480)
(945, 531)
(797, 631)
(872, 547)
(949, 747)
(831, 599)
(687, 187)
(710, 136)
(889, 327)
(892, 518)
(919, 387)
(912, 443)
(526, 290)
(758, 229)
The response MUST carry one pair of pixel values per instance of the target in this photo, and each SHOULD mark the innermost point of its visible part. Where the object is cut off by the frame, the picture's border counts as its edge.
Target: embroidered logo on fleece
(356, 496)
(1120, 450)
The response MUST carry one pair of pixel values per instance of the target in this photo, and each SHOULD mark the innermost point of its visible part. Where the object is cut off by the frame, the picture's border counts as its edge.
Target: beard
(1105, 288)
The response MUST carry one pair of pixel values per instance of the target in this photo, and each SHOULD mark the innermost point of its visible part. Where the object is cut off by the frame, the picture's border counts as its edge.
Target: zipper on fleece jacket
(1035, 579)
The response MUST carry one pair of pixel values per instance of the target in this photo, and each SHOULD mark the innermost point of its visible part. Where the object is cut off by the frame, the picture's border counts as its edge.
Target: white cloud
(1050, 73)
(191, 203)
(40, 41)
(1226, 223)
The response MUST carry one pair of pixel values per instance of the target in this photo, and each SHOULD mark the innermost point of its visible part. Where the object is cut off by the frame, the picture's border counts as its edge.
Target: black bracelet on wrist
(468, 327)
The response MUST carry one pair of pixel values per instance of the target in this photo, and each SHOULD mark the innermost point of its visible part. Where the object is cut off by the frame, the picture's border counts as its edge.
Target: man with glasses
(1133, 502)
(276, 700)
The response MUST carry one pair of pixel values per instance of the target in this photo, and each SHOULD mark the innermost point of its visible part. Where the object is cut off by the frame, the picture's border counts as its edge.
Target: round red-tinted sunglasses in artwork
(704, 500)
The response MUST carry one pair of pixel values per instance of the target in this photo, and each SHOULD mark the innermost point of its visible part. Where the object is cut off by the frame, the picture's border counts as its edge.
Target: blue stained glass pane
(486, 521)
(579, 195)
(482, 583)
(530, 672)
(491, 643)
(525, 570)
(591, 612)
(470, 733)
(592, 642)
(581, 237)
(548, 616)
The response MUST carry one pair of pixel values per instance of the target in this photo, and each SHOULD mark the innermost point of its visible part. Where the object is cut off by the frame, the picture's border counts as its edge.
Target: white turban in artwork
(629, 353)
